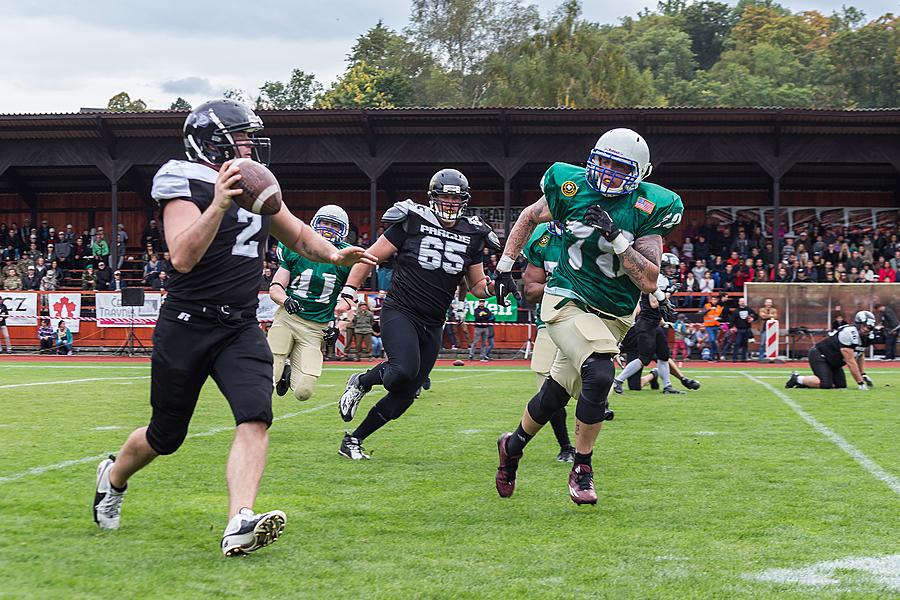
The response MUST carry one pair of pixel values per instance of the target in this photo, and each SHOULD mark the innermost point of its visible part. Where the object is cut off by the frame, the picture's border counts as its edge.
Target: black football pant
(412, 348)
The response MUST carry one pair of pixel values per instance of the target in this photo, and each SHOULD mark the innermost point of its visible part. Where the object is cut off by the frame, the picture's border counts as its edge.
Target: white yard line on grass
(867, 463)
(209, 432)
(21, 385)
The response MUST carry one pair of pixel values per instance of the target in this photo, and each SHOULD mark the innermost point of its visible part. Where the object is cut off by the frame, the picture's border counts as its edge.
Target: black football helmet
(208, 132)
(448, 182)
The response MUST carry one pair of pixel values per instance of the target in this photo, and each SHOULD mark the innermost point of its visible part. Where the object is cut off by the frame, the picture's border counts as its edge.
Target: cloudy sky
(59, 55)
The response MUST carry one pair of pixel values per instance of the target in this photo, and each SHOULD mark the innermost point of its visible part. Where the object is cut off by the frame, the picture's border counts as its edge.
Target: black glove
(673, 287)
(504, 285)
(668, 311)
(292, 306)
(330, 335)
(868, 380)
(600, 220)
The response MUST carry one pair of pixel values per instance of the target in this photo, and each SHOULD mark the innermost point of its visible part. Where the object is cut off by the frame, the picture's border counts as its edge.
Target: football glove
(868, 380)
(330, 335)
(505, 284)
(668, 311)
(292, 306)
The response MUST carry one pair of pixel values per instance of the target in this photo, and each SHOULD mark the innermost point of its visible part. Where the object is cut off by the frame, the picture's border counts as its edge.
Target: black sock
(118, 490)
(583, 459)
(558, 422)
(372, 423)
(372, 377)
(515, 444)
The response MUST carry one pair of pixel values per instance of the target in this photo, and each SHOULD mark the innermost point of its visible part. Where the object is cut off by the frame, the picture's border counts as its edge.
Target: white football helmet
(331, 223)
(623, 146)
(864, 317)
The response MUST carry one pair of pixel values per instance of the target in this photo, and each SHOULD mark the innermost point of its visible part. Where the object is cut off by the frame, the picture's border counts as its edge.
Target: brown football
(261, 192)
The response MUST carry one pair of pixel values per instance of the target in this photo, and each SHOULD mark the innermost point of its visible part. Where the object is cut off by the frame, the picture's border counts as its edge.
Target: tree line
(470, 53)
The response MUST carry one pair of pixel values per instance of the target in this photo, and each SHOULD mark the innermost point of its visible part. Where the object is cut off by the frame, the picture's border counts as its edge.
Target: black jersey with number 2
(432, 258)
(229, 271)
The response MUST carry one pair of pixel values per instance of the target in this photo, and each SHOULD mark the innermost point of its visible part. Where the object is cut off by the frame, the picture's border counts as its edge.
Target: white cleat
(351, 397)
(351, 447)
(248, 531)
(107, 501)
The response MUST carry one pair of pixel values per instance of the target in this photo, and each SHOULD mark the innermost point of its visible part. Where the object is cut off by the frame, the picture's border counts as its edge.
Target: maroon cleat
(581, 485)
(506, 472)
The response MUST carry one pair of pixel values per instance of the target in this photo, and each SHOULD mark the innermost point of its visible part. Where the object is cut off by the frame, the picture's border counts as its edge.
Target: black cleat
(609, 415)
(566, 454)
(670, 390)
(427, 385)
(792, 382)
(617, 386)
(284, 384)
(654, 379)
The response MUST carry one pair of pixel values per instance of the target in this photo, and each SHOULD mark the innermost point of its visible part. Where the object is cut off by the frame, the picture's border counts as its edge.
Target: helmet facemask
(208, 139)
(555, 228)
(619, 176)
(330, 229)
(449, 205)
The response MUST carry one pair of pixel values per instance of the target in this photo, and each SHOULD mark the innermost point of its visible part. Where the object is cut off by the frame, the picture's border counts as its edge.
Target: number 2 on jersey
(243, 245)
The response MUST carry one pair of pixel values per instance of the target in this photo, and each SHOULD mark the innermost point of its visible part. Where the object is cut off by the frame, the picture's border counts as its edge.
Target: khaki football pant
(301, 340)
(578, 334)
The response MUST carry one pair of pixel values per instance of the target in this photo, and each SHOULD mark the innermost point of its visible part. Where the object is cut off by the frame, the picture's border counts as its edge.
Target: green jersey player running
(307, 293)
(614, 225)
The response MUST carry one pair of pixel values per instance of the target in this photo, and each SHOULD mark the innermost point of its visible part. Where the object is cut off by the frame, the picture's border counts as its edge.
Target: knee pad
(549, 399)
(165, 438)
(398, 376)
(597, 374)
(305, 386)
(393, 406)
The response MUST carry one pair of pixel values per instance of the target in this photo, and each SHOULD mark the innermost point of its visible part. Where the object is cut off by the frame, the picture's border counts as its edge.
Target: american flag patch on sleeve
(644, 205)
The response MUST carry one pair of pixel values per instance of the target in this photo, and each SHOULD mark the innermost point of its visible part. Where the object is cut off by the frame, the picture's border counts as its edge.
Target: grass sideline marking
(215, 430)
(867, 463)
(883, 570)
(19, 385)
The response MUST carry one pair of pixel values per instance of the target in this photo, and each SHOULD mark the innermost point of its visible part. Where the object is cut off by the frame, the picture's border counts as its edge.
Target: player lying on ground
(207, 327)
(437, 246)
(611, 247)
(845, 345)
(307, 292)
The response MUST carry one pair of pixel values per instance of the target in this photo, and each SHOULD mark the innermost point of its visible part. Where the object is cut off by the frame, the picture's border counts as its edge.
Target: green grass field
(701, 495)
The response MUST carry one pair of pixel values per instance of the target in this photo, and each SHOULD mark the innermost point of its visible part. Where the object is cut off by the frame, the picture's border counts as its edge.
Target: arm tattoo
(641, 262)
(524, 227)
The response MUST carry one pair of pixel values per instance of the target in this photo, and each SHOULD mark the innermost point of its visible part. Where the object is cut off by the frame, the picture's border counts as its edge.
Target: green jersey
(543, 250)
(315, 285)
(590, 271)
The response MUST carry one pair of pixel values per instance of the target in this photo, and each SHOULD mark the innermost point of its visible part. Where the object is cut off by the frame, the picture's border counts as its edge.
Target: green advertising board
(507, 314)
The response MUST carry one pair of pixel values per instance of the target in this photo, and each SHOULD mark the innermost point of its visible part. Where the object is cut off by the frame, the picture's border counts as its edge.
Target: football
(261, 192)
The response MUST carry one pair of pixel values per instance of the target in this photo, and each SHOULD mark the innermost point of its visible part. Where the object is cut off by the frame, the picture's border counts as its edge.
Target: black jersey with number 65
(431, 259)
(229, 272)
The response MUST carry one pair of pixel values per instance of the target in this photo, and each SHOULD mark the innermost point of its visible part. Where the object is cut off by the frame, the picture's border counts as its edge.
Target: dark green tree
(180, 104)
(122, 102)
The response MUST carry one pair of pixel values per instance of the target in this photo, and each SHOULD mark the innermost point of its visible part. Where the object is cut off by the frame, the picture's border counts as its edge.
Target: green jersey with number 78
(316, 286)
(589, 270)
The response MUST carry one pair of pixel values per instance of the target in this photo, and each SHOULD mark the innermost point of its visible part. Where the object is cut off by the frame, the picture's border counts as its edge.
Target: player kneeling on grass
(611, 252)
(844, 346)
(207, 326)
(307, 292)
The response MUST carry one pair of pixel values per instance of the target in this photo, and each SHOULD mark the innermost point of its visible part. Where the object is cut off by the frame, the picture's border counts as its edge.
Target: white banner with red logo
(65, 306)
(23, 306)
(111, 313)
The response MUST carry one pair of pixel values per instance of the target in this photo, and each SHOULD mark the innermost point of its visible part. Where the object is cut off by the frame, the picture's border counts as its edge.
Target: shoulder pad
(493, 241)
(173, 179)
(399, 211)
(491, 238)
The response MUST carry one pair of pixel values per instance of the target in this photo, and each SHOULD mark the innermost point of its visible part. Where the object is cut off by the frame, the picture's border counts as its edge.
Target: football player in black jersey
(436, 247)
(844, 346)
(207, 326)
(649, 336)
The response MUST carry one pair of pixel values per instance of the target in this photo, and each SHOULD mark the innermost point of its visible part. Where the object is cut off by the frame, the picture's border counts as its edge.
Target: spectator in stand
(680, 328)
(99, 247)
(81, 254)
(760, 276)
(13, 281)
(690, 285)
(40, 267)
(164, 263)
(45, 335)
(118, 283)
(788, 250)
(895, 261)
(855, 260)
(886, 273)
(4, 314)
(742, 319)
(152, 269)
(712, 312)
(266, 279)
(699, 269)
(364, 240)
(701, 247)
(458, 310)
(767, 312)
(741, 245)
(726, 279)
(483, 317)
(829, 277)
(104, 276)
(89, 279)
(31, 281)
(707, 285)
(43, 234)
(890, 322)
(121, 244)
(801, 276)
(782, 275)
(733, 259)
(48, 281)
(63, 339)
(838, 318)
(152, 235)
(744, 274)
(687, 250)
(362, 324)
(69, 234)
(699, 341)
(159, 284)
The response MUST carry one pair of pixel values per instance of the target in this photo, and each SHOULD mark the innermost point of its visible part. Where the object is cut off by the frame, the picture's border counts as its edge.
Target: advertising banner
(23, 304)
(111, 313)
(66, 306)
